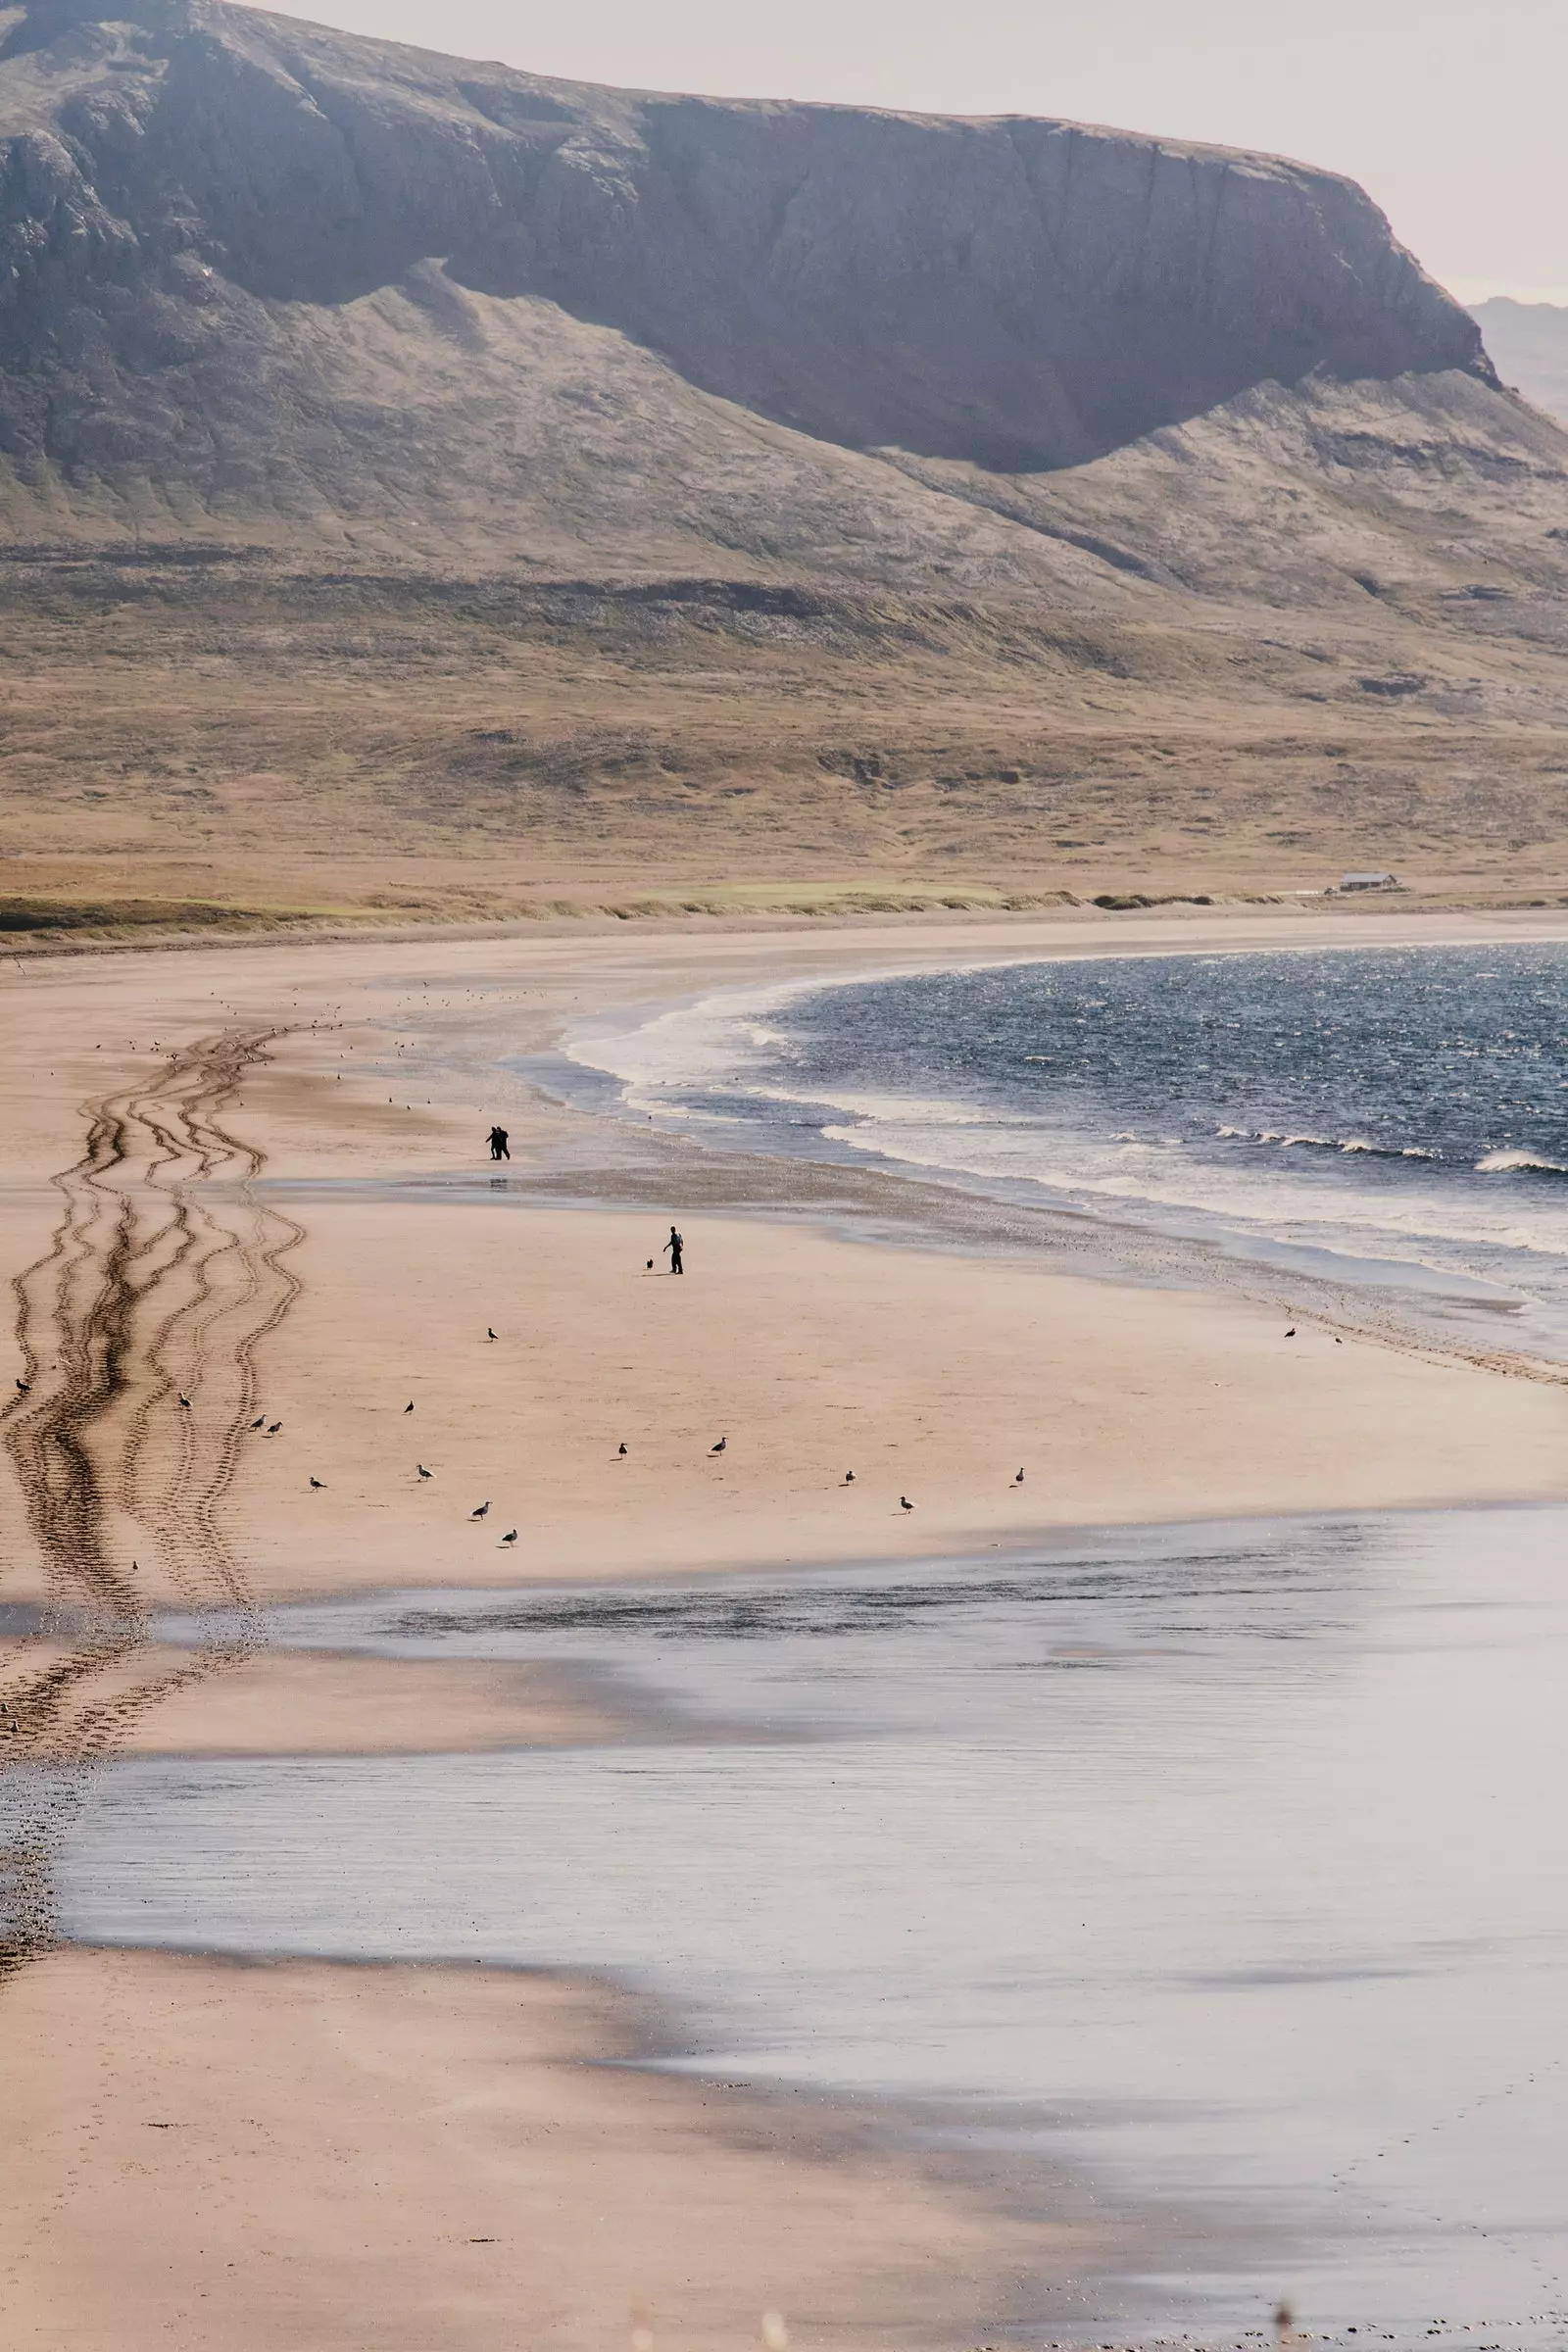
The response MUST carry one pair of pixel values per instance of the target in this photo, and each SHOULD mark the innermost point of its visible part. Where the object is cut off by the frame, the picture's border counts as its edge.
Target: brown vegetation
(586, 502)
(255, 743)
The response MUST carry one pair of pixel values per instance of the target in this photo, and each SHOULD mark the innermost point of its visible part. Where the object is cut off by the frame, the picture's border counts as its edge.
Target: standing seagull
(185, 1401)
(482, 1513)
(489, 1334)
(510, 1537)
(409, 1407)
(621, 1450)
(260, 1421)
(848, 1478)
(424, 1472)
(904, 1504)
(720, 1447)
(274, 1428)
(1019, 1480)
(319, 1485)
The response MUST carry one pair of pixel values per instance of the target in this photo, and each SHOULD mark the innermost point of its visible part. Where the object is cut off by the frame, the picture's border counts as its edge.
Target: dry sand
(337, 2136)
(928, 1375)
(275, 2157)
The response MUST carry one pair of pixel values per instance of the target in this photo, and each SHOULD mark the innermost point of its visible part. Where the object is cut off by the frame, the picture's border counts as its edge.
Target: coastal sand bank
(181, 1089)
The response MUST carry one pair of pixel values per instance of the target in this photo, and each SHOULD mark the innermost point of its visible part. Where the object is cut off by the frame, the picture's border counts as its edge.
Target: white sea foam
(1352, 1145)
(1519, 1163)
(1164, 1177)
(727, 1045)
(692, 1047)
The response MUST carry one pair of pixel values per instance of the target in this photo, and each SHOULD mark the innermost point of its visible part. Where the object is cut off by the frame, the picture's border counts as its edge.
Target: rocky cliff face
(237, 250)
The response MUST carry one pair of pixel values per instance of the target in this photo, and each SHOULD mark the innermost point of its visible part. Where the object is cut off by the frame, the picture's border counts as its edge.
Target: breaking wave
(1362, 1102)
(1519, 1163)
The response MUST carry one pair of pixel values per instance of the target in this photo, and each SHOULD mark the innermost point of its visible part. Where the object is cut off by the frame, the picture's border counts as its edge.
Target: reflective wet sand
(1222, 1867)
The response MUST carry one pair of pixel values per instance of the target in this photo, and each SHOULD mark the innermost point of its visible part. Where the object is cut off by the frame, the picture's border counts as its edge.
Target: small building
(1365, 882)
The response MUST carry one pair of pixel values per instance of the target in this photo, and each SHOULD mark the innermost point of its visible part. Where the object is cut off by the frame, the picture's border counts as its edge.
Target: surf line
(156, 1288)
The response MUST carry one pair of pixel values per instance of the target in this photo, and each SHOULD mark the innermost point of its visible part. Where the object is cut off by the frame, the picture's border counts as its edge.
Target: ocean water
(1220, 1867)
(1389, 1114)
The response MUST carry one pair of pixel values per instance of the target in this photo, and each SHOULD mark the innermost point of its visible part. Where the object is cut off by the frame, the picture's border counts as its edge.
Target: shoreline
(431, 2111)
(930, 1371)
(1357, 1277)
(872, 1204)
(703, 2039)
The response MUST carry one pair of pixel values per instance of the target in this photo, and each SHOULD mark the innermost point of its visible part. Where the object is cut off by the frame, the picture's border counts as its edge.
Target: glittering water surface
(1223, 1866)
(1403, 1105)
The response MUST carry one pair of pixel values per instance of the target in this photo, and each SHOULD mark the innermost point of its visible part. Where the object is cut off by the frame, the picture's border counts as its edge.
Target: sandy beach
(200, 1164)
(275, 2156)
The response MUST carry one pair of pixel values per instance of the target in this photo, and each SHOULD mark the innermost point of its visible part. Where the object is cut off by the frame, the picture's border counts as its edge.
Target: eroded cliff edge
(178, 186)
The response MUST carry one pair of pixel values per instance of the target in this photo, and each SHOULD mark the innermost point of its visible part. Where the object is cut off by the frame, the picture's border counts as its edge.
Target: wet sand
(268, 2157)
(276, 1702)
(1298, 1987)
(930, 1374)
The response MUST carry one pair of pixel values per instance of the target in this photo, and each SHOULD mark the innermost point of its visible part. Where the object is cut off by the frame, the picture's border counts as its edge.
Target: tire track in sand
(163, 1277)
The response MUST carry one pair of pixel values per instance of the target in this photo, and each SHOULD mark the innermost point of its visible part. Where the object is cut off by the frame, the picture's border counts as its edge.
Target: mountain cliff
(250, 266)
(425, 487)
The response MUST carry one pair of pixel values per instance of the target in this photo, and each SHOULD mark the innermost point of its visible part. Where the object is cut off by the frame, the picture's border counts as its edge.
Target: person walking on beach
(498, 1143)
(672, 1249)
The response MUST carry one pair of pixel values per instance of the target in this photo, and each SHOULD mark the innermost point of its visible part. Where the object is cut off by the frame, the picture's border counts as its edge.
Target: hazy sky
(1452, 115)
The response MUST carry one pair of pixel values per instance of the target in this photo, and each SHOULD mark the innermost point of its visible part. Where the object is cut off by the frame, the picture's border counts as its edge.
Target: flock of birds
(482, 1511)
(271, 1429)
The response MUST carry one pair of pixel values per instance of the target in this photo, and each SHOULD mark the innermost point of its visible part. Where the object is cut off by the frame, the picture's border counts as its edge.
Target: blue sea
(1393, 1116)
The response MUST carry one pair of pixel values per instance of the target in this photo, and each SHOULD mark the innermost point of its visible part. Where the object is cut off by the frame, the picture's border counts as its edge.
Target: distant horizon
(1534, 298)
(1444, 114)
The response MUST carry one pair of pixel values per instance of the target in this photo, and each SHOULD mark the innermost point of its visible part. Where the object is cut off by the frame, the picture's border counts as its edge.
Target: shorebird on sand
(511, 1536)
(720, 1447)
(621, 1449)
(409, 1407)
(260, 1421)
(319, 1484)
(848, 1478)
(482, 1512)
(904, 1504)
(424, 1472)
(1019, 1480)
(489, 1334)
